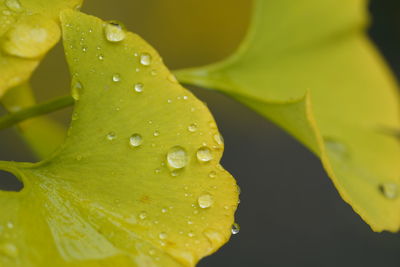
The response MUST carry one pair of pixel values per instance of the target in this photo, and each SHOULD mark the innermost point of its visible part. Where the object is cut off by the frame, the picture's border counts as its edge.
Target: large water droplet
(138, 87)
(13, 5)
(145, 59)
(135, 140)
(114, 31)
(204, 154)
(235, 228)
(205, 201)
(177, 157)
(389, 190)
(9, 250)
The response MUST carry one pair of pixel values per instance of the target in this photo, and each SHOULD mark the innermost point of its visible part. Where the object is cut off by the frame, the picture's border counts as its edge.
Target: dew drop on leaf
(138, 87)
(192, 127)
(111, 136)
(116, 77)
(219, 139)
(163, 235)
(114, 31)
(235, 228)
(204, 154)
(205, 201)
(13, 5)
(389, 190)
(135, 140)
(77, 90)
(177, 157)
(145, 59)
(212, 174)
(142, 215)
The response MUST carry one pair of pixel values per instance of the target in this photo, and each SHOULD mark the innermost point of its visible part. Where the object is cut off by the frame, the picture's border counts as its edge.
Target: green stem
(37, 110)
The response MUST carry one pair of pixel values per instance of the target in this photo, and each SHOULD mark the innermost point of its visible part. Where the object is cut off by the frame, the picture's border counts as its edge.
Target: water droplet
(185, 97)
(9, 250)
(214, 237)
(153, 72)
(14, 5)
(177, 157)
(156, 133)
(205, 201)
(169, 101)
(235, 228)
(212, 174)
(164, 210)
(114, 31)
(152, 251)
(135, 140)
(145, 59)
(100, 57)
(138, 87)
(116, 77)
(163, 235)
(84, 49)
(219, 139)
(336, 149)
(142, 215)
(172, 78)
(192, 127)
(111, 136)
(389, 190)
(204, 154)
(77, 90)
(190, 234)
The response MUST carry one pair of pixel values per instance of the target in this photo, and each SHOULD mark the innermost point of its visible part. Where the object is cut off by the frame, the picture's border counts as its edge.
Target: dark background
(290, 213)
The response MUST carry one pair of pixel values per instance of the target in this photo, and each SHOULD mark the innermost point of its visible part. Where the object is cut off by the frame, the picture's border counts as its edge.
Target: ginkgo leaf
(309, 67)
(137, 181)
(28, 29)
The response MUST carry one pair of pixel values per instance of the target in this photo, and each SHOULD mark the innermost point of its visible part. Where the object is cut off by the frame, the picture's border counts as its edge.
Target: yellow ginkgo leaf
(137, 181)
(308, 66)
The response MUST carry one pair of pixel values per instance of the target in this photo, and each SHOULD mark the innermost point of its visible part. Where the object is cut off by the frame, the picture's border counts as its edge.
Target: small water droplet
(389, 190)
(13, 5)
(212, 174)
(190, 234)
(114, 31)
(204, 154)
(153, 72)
(116, 77)
(172, 78)
(337, 149)
(163, 235)
(145, 59)
(185, 97)
(152, 251)
(138, 87)
(111, 136)
(135, 140)
(205, 201)
(156, 133)
(192, 127)
(235, 228)
(177, 157)
(219, 139)
(100, 57)
(77, 90)
(10, 225)
(84, 49)
(164, 210)
(142, 215)
(169, 101)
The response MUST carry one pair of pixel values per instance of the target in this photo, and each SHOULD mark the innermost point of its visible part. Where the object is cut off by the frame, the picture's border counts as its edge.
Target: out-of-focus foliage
(309, 67)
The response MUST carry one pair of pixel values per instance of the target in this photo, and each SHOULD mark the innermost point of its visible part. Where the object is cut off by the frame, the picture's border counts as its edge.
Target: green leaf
(28, 29)
(309, 67)
(137, 181)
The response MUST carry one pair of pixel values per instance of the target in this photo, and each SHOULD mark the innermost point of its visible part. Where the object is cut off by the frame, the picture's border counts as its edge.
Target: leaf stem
(34, 111)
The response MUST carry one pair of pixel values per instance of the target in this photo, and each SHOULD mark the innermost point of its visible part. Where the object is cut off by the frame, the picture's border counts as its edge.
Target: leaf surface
(309, 67)
(137, 181)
